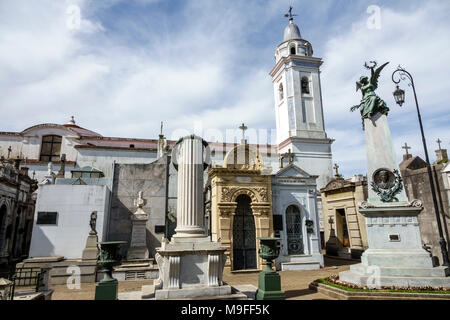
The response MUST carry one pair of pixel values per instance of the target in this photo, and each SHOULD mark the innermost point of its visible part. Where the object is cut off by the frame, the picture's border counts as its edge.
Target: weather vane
(290, 15)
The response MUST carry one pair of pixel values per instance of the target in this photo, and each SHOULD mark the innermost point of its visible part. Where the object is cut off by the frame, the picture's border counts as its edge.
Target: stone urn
(269, 250)
(108, 258)
(269, 281)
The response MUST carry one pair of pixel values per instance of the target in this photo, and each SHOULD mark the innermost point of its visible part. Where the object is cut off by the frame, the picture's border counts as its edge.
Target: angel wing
(358, 85)
(376, 74)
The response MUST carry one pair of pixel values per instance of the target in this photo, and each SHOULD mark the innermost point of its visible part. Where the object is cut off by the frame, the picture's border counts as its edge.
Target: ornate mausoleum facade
(241, 206)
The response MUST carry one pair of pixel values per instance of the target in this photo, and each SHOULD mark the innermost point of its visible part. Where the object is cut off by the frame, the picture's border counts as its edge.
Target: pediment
(48, 129)
(293, 171)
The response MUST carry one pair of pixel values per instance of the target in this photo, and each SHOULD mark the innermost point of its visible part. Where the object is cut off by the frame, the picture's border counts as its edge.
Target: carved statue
(370, 103)
(93, 223)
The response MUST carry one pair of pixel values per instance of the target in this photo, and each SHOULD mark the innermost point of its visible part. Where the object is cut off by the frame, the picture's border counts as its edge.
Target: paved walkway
(293, 283)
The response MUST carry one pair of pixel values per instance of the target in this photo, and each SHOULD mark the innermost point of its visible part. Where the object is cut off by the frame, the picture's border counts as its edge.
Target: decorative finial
(406, 147)
(439, 143)
(161, 132)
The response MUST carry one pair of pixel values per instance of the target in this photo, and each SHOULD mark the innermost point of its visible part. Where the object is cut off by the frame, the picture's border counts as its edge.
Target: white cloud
(211, 65)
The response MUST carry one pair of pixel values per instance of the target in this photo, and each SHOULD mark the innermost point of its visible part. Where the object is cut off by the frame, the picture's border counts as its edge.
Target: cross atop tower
(290, 15)
(439, 143)
(243, 127)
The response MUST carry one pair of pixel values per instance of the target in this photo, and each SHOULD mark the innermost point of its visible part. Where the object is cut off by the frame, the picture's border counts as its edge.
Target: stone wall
(129, 179)
(417, 186)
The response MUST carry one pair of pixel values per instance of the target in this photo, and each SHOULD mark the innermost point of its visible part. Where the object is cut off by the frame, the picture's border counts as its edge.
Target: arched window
(281, 92)
(293, 50)
(294, 230)
(51, 148)
(305, 85)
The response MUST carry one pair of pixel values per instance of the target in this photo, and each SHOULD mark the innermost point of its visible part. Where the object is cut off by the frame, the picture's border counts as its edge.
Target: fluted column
(190, 187)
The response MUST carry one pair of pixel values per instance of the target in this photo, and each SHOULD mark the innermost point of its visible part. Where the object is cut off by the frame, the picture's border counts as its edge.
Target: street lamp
(399, 96)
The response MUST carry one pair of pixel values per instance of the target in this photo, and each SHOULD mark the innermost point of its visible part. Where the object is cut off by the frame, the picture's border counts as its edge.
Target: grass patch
(339, 286)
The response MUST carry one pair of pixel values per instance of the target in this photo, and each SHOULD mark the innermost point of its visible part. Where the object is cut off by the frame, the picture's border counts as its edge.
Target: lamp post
(399, 96)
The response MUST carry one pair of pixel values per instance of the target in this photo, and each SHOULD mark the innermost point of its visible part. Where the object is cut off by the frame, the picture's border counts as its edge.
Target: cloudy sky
(202, 65)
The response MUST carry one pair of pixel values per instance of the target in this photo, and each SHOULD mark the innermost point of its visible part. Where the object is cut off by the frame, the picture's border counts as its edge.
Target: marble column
(190, 188)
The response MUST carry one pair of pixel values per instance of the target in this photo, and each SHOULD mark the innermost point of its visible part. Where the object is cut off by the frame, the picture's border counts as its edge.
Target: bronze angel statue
(370, 103)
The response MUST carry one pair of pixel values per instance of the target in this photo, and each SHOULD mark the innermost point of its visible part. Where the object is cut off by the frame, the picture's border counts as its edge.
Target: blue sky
(202, 65)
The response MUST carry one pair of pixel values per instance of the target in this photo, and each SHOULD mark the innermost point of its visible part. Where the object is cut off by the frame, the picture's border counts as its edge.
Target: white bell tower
(298, 105)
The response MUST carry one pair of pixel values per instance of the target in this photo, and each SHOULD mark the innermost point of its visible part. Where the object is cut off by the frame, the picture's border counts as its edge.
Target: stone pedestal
(91, 250)
(138, 247)
(395, 256)
(190, 267)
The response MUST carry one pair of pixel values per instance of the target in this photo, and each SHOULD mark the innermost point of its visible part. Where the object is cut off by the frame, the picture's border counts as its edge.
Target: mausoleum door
(294, 230)
(342, 227)
(244, 236)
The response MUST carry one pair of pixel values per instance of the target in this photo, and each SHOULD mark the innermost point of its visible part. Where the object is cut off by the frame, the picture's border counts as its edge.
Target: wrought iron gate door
(294, 230)
(244, 236)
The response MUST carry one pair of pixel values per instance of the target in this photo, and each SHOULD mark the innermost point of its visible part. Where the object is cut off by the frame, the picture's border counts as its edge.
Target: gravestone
(138, 246)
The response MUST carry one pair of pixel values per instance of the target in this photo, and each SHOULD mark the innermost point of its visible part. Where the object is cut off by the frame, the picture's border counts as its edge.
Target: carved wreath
(388, 195)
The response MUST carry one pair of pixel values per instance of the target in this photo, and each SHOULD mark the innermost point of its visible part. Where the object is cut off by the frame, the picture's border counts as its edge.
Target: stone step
(300, 265)
(402, 271)
(396, 281)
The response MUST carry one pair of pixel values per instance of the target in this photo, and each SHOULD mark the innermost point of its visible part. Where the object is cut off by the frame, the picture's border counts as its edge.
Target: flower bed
(335, 282)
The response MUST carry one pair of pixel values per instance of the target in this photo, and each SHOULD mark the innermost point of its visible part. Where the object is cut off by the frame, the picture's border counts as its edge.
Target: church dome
(243, 157)
(291, 31)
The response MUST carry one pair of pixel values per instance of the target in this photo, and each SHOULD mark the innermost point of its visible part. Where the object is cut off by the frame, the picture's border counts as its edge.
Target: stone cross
(9, 151)
(439, 143)
(288, 155)
(406, 147)
(336, 167)
(243, 127)
(140, 202)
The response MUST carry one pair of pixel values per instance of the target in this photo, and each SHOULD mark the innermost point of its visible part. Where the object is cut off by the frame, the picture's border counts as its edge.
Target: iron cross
(406, 147)
(439, 143)
(243, 127)
(290, 15)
